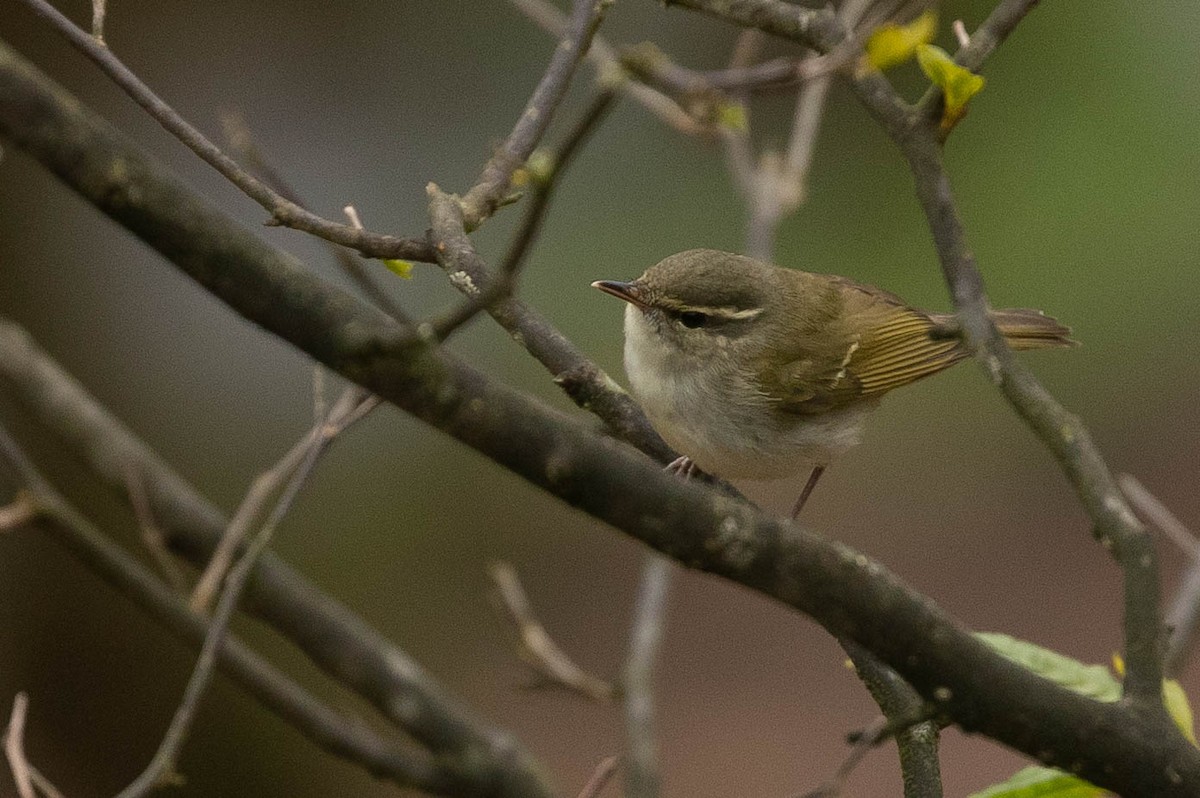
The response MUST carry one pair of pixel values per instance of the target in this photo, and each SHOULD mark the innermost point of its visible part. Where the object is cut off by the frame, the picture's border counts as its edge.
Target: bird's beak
(630, 292)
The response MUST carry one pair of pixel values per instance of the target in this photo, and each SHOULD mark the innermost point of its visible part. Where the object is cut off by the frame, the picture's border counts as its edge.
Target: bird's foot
(682, 466)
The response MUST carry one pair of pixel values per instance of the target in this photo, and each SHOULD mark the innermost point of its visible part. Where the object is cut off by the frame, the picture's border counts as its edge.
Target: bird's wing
(895, 345)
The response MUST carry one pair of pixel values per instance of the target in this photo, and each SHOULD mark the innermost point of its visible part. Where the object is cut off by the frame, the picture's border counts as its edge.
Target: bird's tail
(1024, 328)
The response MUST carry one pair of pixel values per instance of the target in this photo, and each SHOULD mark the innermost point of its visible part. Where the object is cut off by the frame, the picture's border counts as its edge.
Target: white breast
(708, 408)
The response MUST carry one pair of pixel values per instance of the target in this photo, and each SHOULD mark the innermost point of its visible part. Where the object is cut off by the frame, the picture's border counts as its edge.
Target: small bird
(756, 371)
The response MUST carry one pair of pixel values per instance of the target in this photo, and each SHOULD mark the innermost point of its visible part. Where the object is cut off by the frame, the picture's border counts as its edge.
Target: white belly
(708, 410)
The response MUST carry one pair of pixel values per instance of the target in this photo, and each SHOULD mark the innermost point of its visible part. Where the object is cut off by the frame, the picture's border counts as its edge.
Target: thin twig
(14, 747)
(1183, 615)
(341, 735)
(18, 512)
(353, 405)
(960, 33)
(152, 535)
(605, 59)
(642, 777)
(241, 140)
(283, 212)
(482, 758)
(535, 644)
(1157, 513)
(493, 184)
(600, 778)
(870, 737)
(544, 182)
(98, 11)
(29, 780)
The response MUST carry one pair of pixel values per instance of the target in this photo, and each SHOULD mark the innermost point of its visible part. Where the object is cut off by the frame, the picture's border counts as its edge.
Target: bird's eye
(693, 319)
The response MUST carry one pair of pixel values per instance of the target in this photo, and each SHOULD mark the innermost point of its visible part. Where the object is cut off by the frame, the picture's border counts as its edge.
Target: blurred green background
(1076, 173)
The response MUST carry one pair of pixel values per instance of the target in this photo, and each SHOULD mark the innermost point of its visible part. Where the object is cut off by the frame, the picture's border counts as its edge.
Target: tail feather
(1025, 328)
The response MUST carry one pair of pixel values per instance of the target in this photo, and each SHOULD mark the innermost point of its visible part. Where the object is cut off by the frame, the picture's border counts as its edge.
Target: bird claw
(682, 466)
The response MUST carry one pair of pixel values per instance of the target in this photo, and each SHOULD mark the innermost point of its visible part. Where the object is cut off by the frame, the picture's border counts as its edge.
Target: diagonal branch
(337, 640)
(342, 736)
(352, 406)
(493, 184)
(283, 211)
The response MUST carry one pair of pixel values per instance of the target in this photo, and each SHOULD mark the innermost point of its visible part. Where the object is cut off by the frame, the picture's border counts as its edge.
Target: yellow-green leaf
(1093, 681)
(540, 167)
(1179, 709)
(1040, 782)
(892, 44)
(958, 85)
(732, 116)
(400, 268)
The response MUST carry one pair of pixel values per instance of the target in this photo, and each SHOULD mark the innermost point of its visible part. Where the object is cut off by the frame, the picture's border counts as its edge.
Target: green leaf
(732, 116)
(1179, 709)
(1093, 681)
(1040, 782)
(891, 44)
(400, 268)
(958, 85)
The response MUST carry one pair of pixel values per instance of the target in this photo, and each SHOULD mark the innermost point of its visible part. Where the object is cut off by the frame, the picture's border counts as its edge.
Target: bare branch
(1183, 617)
(908, 719)
(1157, 513)
(14, 747)
(241, 140)
(340, 735)
(283, 212)
(867, 740)
(535, 644)
(18, 512)
(265, 486)
(600, 777)
(544, 179)
(493, 184)
(338, 641)
(817, 29)
(98, 11)
(152, 535)
(608, 64)
(352, 405)
(642, 778)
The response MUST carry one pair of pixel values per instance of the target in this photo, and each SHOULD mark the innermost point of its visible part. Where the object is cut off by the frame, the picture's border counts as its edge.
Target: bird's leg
(817, 471)
(682, 466)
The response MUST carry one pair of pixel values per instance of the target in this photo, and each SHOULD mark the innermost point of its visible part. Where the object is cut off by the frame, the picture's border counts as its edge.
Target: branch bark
(342, 736)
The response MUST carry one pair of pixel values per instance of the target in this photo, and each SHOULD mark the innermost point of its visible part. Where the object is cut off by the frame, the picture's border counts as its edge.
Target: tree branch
(917, 742)
(642, 778)
(342, 736)
(353, 405)
(283, 211)
(337, 640)
(485, 196)
(817, 29)
(1115, 746)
